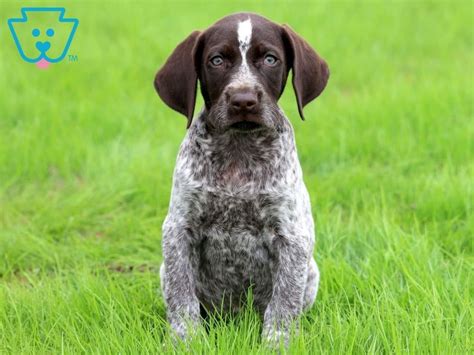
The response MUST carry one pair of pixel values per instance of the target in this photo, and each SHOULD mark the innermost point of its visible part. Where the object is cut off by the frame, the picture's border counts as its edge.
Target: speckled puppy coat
(240, 214)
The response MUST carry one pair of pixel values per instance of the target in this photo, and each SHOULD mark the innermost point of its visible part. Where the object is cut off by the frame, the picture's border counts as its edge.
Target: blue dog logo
(42, 35)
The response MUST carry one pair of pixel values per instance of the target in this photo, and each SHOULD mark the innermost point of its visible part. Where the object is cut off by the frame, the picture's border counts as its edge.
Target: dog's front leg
(178, 281)
(289, 281)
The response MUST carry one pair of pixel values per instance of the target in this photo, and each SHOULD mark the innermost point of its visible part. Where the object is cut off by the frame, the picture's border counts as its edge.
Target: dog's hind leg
(312, 285)
(162, 281)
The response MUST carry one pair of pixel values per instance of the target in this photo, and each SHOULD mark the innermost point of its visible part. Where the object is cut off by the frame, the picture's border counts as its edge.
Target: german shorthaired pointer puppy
(240, 216)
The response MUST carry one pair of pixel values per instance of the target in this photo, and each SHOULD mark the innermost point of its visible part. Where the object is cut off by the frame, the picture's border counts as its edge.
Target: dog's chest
(233, 242)
(232, 224)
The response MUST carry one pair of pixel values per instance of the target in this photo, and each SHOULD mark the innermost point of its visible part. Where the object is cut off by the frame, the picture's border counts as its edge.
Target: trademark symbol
(73, 58)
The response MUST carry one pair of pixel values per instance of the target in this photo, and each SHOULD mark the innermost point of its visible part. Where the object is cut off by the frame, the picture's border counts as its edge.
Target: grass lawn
(87, 151)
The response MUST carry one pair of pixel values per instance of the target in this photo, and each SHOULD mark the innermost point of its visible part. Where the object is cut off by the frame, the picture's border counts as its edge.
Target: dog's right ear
(176, 81)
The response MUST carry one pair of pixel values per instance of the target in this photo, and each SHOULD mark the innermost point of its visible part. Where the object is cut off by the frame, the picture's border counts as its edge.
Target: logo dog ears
(42, 35)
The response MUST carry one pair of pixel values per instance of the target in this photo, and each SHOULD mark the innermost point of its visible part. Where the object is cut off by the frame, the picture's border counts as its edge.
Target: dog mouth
(245, 126)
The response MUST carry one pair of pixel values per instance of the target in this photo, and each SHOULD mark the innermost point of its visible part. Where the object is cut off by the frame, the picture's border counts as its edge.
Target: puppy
(240, 215)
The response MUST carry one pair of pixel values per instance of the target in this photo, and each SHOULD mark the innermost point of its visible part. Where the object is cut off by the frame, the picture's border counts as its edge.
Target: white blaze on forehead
(244, 33)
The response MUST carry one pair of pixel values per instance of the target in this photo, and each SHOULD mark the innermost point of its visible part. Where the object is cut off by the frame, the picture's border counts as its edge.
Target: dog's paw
(276, 338)
(183, 330)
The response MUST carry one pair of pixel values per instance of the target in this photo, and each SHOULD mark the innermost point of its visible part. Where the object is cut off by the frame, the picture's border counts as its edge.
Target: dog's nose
(242, 102)
(43, 46)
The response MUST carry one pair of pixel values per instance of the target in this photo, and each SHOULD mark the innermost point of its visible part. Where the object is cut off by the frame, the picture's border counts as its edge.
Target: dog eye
(217, 60)
(270, 60)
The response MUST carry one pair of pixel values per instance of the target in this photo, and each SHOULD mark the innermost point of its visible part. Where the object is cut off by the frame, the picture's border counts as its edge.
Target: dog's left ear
(310, 71)
(176, 81)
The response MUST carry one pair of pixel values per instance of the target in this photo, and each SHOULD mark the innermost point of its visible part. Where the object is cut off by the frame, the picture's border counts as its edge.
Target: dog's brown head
(242, 63)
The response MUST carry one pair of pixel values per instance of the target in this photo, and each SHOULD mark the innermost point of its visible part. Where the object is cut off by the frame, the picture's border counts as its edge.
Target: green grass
(86, 157)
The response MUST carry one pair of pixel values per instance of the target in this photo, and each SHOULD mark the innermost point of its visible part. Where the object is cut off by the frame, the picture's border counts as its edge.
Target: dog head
(242, 63)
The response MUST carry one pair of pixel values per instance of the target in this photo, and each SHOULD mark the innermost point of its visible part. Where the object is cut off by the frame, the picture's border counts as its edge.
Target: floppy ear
(310, 71)
(176, 81)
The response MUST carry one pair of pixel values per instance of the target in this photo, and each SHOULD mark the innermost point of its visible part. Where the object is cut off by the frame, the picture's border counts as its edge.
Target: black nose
(243, 102)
